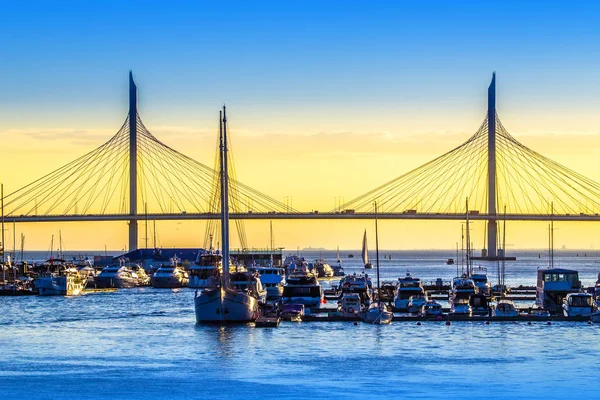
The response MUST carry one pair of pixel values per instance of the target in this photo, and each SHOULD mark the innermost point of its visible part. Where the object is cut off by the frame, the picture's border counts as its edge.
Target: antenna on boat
(377, 256)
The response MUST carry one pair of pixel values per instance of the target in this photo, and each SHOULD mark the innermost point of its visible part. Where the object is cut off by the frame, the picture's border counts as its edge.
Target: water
(143, 343)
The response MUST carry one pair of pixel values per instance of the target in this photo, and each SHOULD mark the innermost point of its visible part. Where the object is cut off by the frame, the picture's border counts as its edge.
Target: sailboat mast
(271, 240)
(468, 242)
(377, 257)
(552, 236)
(2, 196)
(504, 247)
(224, 195)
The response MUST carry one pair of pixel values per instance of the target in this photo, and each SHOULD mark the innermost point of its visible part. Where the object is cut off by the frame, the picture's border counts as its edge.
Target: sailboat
(222, 303)
(365, 252)
(338, 270)
(377, 313)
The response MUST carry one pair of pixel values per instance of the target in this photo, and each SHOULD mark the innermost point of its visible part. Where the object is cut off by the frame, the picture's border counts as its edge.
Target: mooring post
(133, 226)
(491, 226)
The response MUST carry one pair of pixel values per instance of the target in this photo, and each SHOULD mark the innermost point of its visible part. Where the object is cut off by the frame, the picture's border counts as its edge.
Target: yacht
(302, 287)
(204, 273)
(59, 279)
(323, 269)
(462, 289)
(553, 285)
(480, 278)
(360, 284)
(350, 305)
(405, 288)
(172, 276)
(505, 308)
(120, 276)
(578, 305)
(232, 298)
(272, 279)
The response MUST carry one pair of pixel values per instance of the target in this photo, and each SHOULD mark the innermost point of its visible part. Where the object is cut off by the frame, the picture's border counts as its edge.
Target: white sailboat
(365, 252)
(223, 303)
(377, 313)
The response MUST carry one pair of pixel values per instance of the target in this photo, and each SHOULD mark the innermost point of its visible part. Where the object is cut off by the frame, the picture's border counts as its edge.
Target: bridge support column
(133, 225)
(491, 226)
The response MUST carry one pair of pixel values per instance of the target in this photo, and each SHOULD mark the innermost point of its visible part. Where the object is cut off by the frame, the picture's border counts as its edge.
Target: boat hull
(222, 305)
(168, 282)
(103, 282)
(59, 286)
(378, 317)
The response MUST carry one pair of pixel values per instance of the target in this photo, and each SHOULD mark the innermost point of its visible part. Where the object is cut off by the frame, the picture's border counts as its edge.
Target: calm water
(143, 343)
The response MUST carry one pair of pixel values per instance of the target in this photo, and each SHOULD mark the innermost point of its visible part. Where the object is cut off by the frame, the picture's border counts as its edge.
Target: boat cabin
(553, 285)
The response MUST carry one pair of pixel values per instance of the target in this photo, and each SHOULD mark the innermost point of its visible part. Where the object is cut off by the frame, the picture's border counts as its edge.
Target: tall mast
(271, 241)
(468, 241)
(2, 195)
(224, 195)
(552, 236)
(377, 257)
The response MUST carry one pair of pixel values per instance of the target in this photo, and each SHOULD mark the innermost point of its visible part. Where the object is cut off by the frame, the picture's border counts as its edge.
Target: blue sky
(354, 91)
(296, 56)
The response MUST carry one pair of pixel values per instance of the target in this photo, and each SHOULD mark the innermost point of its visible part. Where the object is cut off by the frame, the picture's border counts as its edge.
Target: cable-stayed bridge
(135, 177)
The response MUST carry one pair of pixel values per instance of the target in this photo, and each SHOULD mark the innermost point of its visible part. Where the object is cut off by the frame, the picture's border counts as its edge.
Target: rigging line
(42, 187)
(83, 157)
(375, 190)
(95, 194)
(188, 171)
(444, 184)
(191, 190)
(56, 193)
(472, 159)
(552, 175)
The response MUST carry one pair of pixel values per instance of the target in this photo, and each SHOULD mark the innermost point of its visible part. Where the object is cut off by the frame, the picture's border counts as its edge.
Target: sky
(326, 99)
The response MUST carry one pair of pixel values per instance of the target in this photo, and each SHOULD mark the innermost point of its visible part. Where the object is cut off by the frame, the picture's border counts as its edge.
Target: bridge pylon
(491, 178)
(133, 225)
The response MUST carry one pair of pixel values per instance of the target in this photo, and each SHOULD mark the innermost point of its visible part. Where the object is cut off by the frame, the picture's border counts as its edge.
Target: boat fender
(350, 310)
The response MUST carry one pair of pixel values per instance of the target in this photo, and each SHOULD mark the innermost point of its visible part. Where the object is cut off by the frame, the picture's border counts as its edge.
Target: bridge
(135, 177)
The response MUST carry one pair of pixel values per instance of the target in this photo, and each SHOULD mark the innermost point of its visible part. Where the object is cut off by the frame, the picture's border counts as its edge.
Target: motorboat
(120, 276)
(416, 303)
(360, 284)
(88, 273)
(171, 276)
(302, 287)
(350, 305)
(578, 305)
(323, 269)
(505, 308)
(59, 279)
(480, 304)
(338, 270)
(554, 285)
(293, 312)
(272, 279)
(143, 279)
(406, 288)
(232, 298)
(450, 261)
(431, 308)
(479, 276)
(378, 313)
(461, 306)
(462, 289)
